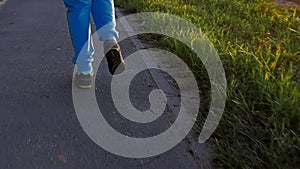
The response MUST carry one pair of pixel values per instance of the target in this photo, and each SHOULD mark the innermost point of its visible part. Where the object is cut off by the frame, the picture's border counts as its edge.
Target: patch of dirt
(289, 3)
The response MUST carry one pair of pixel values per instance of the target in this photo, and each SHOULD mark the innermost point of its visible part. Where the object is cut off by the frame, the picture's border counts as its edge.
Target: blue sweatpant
(78, 15)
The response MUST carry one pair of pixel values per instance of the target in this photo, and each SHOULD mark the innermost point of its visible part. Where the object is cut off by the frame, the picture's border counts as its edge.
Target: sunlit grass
(259, 45)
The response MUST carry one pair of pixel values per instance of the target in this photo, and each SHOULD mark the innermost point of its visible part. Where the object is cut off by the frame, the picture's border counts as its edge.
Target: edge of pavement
(199, 152)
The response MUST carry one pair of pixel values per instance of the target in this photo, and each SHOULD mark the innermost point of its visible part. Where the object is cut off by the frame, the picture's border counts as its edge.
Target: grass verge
(259, 45)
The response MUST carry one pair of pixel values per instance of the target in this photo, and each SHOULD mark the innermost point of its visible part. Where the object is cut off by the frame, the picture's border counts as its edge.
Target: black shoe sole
(115, 61)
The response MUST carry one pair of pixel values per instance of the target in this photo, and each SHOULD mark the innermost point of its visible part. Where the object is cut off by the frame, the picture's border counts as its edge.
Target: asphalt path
(39, 128)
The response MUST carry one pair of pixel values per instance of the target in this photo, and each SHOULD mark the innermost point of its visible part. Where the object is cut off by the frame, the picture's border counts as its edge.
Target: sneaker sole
(121, 67)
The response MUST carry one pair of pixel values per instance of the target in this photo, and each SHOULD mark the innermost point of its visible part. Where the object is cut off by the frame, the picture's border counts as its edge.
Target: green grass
(259, 45)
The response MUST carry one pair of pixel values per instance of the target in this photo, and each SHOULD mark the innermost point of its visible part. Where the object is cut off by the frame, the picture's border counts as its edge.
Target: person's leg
(78, 15)
(104, 19)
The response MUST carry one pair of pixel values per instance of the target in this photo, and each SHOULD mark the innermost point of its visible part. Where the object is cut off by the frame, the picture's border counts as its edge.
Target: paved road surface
(38, 125)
